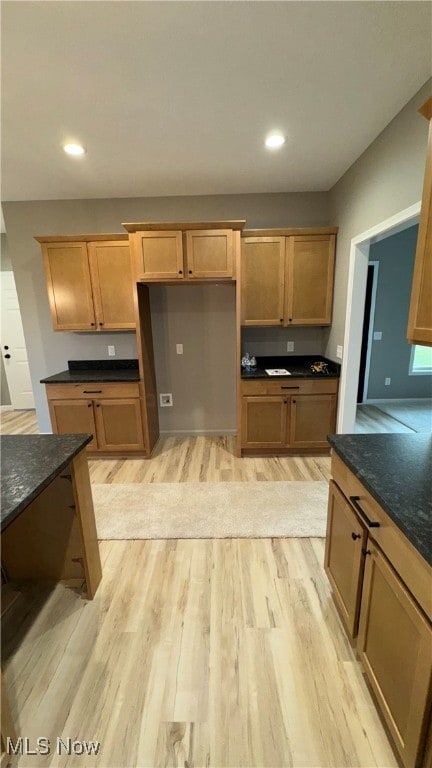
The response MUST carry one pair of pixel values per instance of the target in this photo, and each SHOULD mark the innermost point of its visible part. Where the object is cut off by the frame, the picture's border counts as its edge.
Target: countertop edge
(411, 536)
(86, 439)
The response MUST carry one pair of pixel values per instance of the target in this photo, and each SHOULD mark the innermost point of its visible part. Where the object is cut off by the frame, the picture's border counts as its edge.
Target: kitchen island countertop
(397, 470)
(28, 465)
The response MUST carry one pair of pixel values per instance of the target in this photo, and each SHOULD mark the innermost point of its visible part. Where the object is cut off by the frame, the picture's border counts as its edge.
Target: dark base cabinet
(382, 588)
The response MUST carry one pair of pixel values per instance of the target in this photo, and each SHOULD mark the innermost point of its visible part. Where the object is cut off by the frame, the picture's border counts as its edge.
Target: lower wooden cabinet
(118, 425)
(344, 557)
(395, 647)
(382, 589)
(287, 422)
(113, 415)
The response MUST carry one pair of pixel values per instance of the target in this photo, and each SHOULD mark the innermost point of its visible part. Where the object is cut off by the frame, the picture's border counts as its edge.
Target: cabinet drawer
(409, 564)
(289, 387)
(92, 390)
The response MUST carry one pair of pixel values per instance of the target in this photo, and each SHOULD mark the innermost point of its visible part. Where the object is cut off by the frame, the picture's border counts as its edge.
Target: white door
(13, 346)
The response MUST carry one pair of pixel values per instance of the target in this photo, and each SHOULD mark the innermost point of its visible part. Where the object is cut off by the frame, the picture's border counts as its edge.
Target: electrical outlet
(377, 336)
(290, 346)
(166, 400)
(179, 349)
(387, 382)
(111, 350)
(339, 351)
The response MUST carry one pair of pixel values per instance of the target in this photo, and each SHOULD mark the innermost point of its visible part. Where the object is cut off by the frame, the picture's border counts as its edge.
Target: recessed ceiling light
(274, 140)
(74, 149)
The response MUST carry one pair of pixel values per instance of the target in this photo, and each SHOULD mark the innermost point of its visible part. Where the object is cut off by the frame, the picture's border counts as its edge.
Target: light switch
(179, 349)
(377, 336)
(339, 351)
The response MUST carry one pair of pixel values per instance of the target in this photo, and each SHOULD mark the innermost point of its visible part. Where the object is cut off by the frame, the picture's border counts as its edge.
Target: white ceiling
(175, 98)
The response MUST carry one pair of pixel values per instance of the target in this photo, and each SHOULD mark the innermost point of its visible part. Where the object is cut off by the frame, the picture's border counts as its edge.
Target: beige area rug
(210, 510)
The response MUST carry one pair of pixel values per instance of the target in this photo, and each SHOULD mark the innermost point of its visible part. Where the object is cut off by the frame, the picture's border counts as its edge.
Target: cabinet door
(158, 255)
(111, 274)
(420, 313)
(264, 422)
(395, 647)
(309, 281)
(73, 417)
(118, 424)
(209, 253)
(69, 287)
(262, 280)
(313, 417)
(344, 560)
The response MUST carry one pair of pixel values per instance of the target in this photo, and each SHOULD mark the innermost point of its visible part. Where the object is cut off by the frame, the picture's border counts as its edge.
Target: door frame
(356, 292)
(375, 265)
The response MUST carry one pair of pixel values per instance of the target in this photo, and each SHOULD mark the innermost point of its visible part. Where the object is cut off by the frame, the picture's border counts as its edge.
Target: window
(421, 360)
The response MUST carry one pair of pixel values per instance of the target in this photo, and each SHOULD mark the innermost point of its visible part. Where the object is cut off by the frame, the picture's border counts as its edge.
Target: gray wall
(204, 396)
(386, 179)
(273, 341)
(390, 357)
(5, 266)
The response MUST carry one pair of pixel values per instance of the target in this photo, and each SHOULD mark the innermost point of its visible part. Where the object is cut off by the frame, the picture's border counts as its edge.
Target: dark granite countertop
(298, 365)
(28, 464)
(83, 371)
(397, 471)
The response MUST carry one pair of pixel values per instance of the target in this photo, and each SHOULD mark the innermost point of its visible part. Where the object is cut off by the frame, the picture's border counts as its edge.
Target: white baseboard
(374, 401)
(196, 432)
(6, 408)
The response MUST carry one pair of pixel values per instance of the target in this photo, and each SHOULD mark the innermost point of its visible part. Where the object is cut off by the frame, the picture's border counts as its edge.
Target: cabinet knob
(7, 356)
(190, 271)
(100, 323)
(6, 346)
(294, 401)
(97, 405)
(366, 552)
(290, 319)
(89, 405)
(281, 320)
(355, 536)
(180, 271)
(285, 401)
(92, 323)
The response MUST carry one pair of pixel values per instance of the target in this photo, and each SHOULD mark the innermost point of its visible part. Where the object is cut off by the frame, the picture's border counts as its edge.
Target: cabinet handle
(290, 387)
(92, 391)
(355, 502)
(366, 552)
(355, 536)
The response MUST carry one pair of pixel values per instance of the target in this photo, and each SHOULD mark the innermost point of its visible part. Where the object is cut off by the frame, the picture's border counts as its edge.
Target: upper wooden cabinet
(188, 251)
(89, 282)
(287, 280)
(420, 313)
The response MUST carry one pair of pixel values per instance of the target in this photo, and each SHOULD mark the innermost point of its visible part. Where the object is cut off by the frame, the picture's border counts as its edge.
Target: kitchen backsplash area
(274, 341)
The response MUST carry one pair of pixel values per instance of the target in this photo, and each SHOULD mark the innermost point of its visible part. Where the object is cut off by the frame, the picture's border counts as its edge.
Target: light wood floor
(202, 654)
(188, 459)
(370, 419)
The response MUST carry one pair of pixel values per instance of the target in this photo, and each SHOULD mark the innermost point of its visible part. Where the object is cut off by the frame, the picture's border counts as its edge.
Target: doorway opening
(354, 320)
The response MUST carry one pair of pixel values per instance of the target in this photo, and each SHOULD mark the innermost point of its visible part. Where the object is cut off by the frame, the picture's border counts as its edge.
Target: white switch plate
(387, 381)
(290, 346)
(166, 400)
(179, 349)
(111, 350)
(339, 351)
(377, 335)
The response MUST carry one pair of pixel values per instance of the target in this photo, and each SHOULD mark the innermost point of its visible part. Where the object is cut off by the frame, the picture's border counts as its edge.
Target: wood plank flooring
(188, 459)
(202, 654)
(370, 419)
